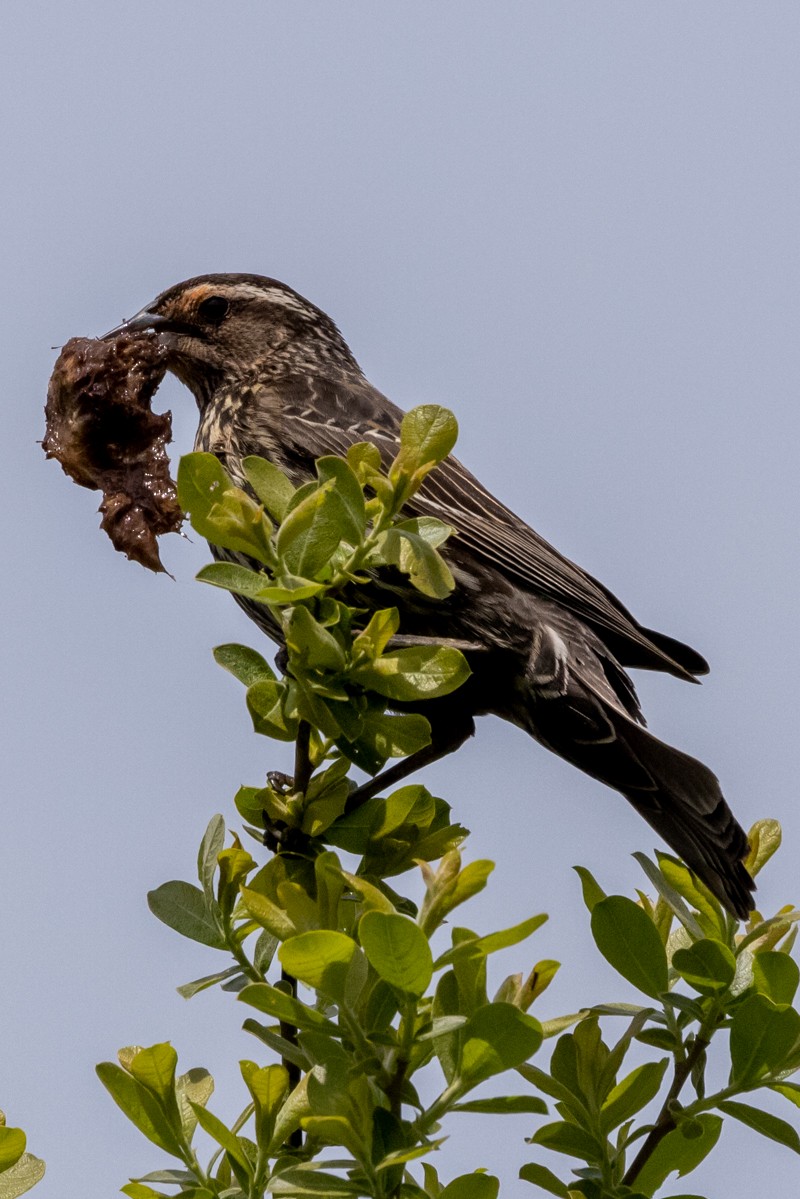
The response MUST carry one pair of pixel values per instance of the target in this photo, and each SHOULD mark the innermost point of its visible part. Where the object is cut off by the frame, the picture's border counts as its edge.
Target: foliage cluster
(373, 1017)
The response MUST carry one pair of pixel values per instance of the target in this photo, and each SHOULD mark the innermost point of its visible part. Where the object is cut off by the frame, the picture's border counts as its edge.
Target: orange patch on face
(190, 300)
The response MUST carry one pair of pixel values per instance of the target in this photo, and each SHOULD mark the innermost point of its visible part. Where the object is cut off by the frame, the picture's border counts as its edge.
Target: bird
(550, 646)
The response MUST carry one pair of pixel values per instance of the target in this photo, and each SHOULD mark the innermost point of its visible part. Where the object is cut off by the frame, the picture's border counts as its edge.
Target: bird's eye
(213, 310)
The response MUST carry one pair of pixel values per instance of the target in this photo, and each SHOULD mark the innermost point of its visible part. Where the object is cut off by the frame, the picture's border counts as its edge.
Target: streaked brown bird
(273, 376)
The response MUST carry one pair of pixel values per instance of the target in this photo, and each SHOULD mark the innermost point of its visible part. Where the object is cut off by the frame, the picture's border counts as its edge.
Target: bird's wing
(320, 417)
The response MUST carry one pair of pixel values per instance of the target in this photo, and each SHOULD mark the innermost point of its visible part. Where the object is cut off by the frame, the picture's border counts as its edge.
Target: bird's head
(219, 328)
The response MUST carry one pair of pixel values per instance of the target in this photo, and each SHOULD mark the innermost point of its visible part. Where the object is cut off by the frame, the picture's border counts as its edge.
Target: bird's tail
(677, 795)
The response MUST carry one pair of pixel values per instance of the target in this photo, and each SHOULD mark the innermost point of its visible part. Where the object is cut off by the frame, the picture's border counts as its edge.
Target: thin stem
(302, 759)
(666, 1121)
(289, 1032)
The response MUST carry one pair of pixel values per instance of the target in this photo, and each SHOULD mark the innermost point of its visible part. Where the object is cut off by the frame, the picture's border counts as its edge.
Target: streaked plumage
(273, 376)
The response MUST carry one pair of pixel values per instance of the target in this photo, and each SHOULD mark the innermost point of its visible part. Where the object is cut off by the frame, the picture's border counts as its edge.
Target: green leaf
(321, 959)
(266, 703)
(352, 513)
(707, 965)
(670, 896)
(12, 1146)
(154, 1068)
(301, 1181)
(632, 1094)
(678, 1153)
(182, 907)
(765, 838)
(395, 735)
(497, 1037)
(202, 482)
(311, 532)
(270, 485)
(564, 1137)
(504, 1105)
(231, 577)
(269, 1087)
(245, 664)
(398, 951)
(413, 554)
(763, 1122)
(372, 640)
(21, 1177)
(592, 891)
(417, 672)
(472, 1186)
(763, 1035)
(687, 884)
(210, 848)
(776, 975)
(139, 1105)
(284, 1007)
(427, 435)
(195, 1086)
(545, 1179)
(219, 511)
(629, 941)
(223, 1136)
(492, 942)
(311, 642)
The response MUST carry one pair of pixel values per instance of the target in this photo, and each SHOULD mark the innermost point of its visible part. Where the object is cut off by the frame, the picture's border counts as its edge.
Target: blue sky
(575, 225)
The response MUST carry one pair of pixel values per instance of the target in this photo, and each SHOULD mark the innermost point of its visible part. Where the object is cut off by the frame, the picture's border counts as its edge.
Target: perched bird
(273, 376)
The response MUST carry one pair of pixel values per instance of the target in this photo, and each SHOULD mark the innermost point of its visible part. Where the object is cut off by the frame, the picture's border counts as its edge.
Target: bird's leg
(445, 739)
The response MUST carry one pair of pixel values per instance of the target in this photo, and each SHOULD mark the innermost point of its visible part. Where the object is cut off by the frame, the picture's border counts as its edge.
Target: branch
(666, 1121)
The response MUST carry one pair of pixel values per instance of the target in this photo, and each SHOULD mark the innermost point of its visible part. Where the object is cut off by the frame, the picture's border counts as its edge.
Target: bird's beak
(138, 324)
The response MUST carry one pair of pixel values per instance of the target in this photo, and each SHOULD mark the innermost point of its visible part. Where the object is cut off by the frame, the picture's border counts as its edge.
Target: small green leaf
(372, 640)
(678, 1153)
(564, 1137)
(195, 1086)
(472, 1186)
(504, 1105)
(765, 838)
(707, 965)
(545, 1179)
(417, 672)
(592, 891)
(352, 513)
(270, 485)
(139, 1105)
(284, 1007)
(183, 908)
(238, 579)
(311, 532)
(763, 1035)
(154, 1068)
(629, 941)
(223, 1136)
(245, 664)
(632, 1094)
(311, 642)
(492, 942)
(12, 1146)
(427, 435)
(776, 975)
(764, 1122)
(497, 1037)
(398, 950)
(267, 703)
(210, 848)
(321, 959)
(299, 1181)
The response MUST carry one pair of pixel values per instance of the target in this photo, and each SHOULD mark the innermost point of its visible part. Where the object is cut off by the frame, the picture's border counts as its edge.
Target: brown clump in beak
(100, 427)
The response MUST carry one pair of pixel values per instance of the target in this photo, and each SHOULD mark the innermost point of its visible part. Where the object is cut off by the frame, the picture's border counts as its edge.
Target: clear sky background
(574, 224)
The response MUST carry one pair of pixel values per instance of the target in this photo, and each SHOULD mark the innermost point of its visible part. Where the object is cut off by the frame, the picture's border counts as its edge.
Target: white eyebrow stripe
(275, 295)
